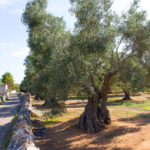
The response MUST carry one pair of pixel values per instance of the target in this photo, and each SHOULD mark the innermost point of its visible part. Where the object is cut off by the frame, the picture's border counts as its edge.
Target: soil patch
(129, 130)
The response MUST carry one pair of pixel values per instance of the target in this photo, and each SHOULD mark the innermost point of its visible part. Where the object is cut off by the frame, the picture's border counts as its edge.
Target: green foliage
(47, 64)
(7, 79)
(62, 63)
(146, 107)
(1, 83)
(93, 31)
(16, 87)
(118, 102)
(131, 77)
(33, 15)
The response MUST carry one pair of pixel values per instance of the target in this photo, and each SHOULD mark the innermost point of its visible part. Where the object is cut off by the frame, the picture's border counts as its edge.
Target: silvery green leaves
(101, 45)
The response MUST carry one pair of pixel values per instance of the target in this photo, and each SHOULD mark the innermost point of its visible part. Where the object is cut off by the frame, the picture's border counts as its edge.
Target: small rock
(35, 121)
(40, 132)
(30, 146)
(36, 113)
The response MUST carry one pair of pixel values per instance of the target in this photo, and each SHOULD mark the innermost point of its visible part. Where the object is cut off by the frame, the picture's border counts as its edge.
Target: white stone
(31, 146)
(36, 113)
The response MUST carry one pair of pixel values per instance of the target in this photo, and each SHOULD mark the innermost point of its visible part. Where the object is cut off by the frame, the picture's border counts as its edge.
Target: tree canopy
(7, 79)
(102, 46)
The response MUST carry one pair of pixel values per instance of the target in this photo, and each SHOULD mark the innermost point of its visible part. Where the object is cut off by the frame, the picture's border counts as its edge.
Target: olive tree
(46, 66)
(104, 41)
(8, 80)
(101, 43)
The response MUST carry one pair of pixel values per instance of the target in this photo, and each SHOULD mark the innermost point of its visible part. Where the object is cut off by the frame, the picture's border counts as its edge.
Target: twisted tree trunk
(51, 103)
(127, 96)
(37, 97)
(94, 116)
(90, 120)
(45, 103)
(105, 116)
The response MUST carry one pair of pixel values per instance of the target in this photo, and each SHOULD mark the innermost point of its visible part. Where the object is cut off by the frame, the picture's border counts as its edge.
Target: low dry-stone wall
(22, 138)
(2, 98)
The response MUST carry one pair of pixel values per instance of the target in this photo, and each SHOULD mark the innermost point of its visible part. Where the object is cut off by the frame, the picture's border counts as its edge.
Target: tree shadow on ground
(118, 131)
(109, 103)
(148, 98)
(140, 120)
(121, 148)
(123, 103)
(77, 104)
(41, 107)
(66, 136)
(80, 103)
(120, 95)
(77, 98)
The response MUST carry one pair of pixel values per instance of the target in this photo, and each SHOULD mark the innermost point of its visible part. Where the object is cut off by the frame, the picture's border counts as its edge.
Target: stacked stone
(2, 98)
(20, 94)
(22, 138)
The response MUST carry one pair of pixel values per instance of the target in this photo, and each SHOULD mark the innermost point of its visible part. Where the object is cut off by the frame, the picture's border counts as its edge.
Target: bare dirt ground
(129, 130)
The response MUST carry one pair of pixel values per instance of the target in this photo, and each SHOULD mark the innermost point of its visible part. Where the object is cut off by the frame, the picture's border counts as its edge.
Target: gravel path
(7, 111)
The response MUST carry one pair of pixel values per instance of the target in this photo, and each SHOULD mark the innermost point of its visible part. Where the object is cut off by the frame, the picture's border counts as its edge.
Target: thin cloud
(21, 53)
(4, 3)
(1, 48)
(6, 45)
(17, 11)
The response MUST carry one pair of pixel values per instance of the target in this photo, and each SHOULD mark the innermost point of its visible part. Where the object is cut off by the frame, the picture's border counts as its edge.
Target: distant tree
(7, 79)
(131, 78)
(146, 65)
(1, 83)
(16, 87)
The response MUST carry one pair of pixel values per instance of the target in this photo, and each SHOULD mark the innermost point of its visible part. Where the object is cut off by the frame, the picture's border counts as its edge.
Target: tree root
(126, 98)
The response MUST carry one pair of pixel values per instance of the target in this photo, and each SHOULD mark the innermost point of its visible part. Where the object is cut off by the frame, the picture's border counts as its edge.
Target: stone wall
(2, 98)
(22, 138)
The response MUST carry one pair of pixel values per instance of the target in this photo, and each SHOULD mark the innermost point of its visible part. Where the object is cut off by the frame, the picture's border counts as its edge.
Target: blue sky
(13, 35)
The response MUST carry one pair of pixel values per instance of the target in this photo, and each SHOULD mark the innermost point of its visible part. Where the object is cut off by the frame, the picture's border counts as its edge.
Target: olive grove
(102, 46)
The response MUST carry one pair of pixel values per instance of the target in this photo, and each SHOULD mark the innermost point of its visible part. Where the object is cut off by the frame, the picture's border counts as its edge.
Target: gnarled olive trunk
(127, 96)
(45, 103)
(52, 103)
(90, 120)
(104, 92)
(37, 97)
(94, 116)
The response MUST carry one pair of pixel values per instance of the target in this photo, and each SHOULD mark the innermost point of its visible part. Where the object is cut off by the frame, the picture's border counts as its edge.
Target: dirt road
(7, 111)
